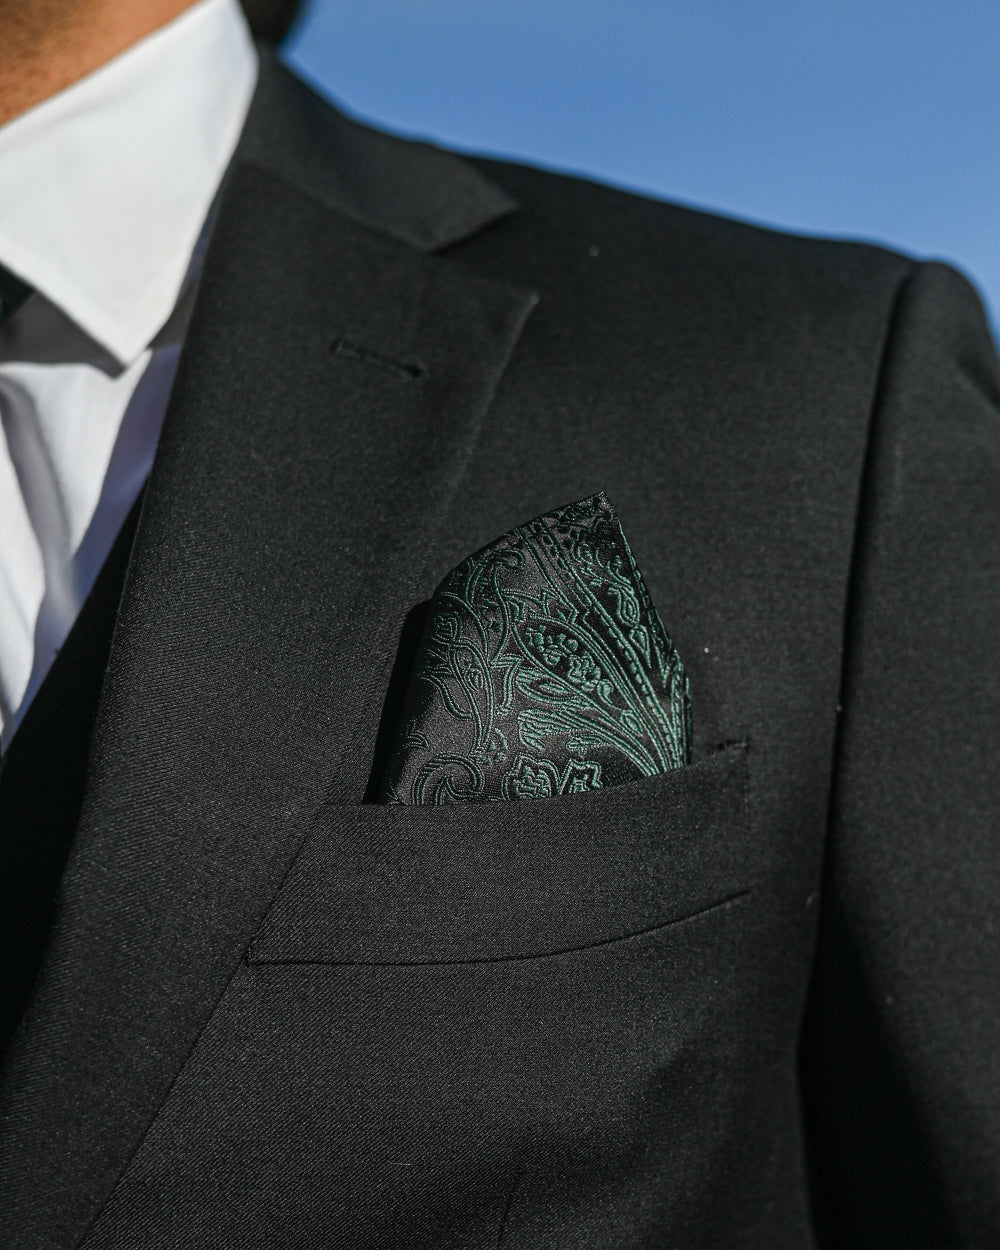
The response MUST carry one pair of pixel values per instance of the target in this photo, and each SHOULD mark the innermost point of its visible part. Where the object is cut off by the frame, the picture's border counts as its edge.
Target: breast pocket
(486, 882)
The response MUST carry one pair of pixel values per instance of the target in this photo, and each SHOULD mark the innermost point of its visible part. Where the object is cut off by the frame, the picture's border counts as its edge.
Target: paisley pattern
(544, 669)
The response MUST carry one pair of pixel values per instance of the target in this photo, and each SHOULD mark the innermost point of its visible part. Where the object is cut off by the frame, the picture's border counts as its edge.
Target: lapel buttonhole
(411, 370)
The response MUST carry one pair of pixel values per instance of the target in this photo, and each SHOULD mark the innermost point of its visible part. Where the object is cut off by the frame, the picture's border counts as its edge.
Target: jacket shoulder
(666, 239)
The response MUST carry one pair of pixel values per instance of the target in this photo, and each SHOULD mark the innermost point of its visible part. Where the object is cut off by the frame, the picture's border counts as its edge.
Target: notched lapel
(330, 394)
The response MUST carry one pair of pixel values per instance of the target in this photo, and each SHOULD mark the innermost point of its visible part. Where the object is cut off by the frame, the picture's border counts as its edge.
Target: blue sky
(877, 120)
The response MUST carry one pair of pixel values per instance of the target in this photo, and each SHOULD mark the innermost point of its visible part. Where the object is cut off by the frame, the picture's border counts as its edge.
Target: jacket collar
(414, 192)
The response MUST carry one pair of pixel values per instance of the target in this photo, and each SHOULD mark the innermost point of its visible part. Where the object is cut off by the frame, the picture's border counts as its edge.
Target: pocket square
(543, 669)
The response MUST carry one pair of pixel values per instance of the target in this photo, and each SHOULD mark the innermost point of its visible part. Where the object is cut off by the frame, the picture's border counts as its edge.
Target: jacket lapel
(332, 387)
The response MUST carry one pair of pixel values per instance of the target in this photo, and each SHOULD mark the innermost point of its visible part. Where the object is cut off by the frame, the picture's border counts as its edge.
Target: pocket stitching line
(734, 897)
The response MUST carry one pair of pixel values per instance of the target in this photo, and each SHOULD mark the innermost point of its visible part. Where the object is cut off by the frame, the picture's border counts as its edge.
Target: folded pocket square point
(543, 669)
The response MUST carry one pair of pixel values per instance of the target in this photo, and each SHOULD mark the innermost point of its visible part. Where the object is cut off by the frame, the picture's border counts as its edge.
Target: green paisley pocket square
(543, 669)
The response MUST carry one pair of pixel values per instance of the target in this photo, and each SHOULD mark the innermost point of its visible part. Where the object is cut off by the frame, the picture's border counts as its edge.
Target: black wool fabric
(42, 780)
(749, 1001)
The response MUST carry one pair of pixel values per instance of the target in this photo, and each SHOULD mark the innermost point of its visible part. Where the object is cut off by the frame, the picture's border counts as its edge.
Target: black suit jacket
(749, 1003)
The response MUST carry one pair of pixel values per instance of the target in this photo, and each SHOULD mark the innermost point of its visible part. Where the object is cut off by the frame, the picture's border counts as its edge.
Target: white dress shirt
(104, 192)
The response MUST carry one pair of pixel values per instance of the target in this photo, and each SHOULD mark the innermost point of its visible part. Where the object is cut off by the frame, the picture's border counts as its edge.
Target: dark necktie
(13, 293)
(543, 669)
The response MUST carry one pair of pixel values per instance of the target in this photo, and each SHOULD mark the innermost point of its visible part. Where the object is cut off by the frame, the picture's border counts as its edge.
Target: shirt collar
(104, 188)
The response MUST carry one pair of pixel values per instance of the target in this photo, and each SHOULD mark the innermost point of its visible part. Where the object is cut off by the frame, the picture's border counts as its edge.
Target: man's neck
(47, 45)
